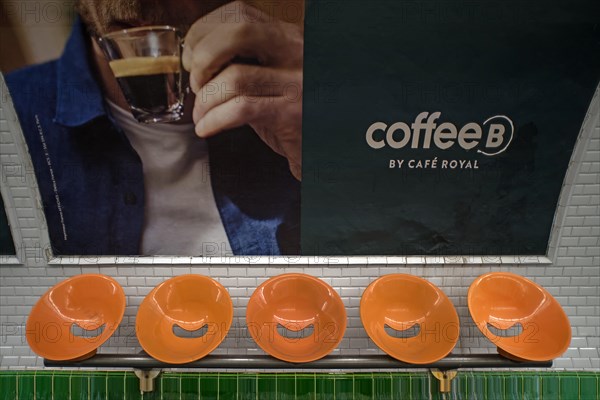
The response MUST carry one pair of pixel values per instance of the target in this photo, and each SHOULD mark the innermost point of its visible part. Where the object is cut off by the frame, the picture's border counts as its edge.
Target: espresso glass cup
(146, 62)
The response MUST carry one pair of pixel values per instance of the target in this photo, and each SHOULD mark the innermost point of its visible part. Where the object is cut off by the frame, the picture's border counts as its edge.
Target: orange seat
(296, 317)
(184, 318)
(409, 318)
(72, 319)
(503, 300)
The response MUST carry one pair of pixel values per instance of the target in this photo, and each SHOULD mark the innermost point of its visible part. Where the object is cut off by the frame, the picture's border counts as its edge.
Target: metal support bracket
(146, 377)
(445, 378)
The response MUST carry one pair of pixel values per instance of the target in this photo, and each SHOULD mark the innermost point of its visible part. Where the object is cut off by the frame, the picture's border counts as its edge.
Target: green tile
(61, 384)
(189, 387)
(419, 386)
(469, 385)
(209, 386)
(569, 387)
(434, 387)
(43, 385)
(494, 387)
(459, 386)
(344, 387)
(247, 386)
(550, 387)
(363, 387)
(325, 387)
(513, 386)
(170, 386)
(25, 386)
(8, 382)
(98, 387)
(132, 387)
(79, 386)
(588, 387)
(475, 384)
(306, 387)
(116, 386)
(286, 387)
(401, 386)
(382, 386)
(228, 387)
(532, 387)
(267, 387)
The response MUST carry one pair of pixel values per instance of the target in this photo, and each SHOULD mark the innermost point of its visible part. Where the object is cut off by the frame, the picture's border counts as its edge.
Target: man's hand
(246, 69)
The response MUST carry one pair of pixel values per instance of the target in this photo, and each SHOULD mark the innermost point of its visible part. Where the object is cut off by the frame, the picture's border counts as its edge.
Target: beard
(104, 16)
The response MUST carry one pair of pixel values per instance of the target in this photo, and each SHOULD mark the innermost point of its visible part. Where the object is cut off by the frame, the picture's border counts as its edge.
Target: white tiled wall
(573, 276)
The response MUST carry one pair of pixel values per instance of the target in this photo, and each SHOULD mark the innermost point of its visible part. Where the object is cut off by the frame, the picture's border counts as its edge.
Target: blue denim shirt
(91, 179)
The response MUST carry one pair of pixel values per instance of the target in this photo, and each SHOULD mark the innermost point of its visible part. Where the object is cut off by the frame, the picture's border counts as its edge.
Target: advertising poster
(309, 128)
(441, 127)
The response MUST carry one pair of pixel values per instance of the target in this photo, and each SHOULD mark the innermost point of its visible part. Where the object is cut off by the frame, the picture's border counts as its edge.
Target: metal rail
(144, 361)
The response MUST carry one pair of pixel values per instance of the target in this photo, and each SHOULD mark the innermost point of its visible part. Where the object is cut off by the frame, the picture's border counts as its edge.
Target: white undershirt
(180, 212)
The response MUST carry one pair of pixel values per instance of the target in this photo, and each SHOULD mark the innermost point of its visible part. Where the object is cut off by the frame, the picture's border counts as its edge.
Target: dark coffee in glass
(147, 65)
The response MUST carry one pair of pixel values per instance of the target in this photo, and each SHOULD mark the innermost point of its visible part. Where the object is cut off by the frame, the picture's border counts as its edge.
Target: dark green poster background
(536, 62)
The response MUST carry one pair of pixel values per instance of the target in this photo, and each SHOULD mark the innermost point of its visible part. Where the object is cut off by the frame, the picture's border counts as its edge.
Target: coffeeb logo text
(490, 138)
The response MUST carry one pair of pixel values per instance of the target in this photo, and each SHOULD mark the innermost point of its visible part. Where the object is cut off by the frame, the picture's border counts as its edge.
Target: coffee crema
(142, 66)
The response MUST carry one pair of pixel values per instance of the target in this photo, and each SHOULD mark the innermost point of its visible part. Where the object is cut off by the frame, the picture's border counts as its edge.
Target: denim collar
(79, 97)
